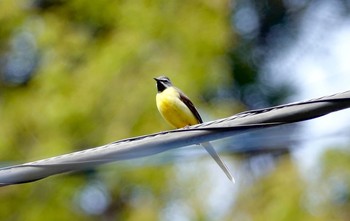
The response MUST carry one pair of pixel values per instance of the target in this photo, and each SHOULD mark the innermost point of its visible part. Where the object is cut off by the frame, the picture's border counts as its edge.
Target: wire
(166, 140)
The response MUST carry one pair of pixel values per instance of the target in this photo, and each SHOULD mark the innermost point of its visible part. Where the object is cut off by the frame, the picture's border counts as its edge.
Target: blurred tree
(282, 195)
(334, 192)
(78, 74)
(264, 29)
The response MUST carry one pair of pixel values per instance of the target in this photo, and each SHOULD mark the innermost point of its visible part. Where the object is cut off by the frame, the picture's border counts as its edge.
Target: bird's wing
(190, 105)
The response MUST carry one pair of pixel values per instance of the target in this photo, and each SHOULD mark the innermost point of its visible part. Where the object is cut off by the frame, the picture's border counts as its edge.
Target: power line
(159, 142)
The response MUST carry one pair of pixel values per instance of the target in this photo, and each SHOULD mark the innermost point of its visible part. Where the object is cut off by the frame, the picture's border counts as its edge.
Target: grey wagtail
(178, 110)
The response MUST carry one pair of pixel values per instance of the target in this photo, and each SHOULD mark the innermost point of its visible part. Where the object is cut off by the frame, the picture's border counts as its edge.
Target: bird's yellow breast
(173, 110)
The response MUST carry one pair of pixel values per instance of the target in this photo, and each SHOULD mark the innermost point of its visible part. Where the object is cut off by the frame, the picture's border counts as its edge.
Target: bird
(179, 111)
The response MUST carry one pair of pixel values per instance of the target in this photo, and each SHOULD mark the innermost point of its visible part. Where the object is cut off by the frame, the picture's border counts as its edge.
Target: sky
(317, 63)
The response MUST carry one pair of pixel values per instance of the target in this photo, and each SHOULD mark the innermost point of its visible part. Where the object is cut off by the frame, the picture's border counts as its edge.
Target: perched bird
(178, 110)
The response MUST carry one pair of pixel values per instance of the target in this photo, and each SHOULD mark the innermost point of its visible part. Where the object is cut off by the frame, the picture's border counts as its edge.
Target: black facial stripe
(160, 86)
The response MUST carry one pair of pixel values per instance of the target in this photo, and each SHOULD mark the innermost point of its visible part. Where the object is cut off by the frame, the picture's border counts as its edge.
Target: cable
(159, 142)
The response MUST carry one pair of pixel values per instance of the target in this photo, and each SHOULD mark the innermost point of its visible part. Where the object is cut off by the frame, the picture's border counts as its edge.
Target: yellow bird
(178, 110)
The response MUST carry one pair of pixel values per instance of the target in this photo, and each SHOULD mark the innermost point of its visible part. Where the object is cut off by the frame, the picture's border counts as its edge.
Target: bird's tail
(218, 160)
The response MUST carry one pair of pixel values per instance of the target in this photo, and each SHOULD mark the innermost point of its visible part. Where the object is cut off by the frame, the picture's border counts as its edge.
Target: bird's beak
(155, 79)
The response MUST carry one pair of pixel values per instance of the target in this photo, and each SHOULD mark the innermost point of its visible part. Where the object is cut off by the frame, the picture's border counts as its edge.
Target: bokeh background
(78, 74)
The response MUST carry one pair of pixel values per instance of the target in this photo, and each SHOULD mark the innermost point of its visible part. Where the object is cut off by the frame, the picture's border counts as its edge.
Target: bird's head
(163, 82)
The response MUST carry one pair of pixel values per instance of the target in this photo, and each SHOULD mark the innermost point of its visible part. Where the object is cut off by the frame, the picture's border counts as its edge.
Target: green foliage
(274, 197)
(282, 195)
(92, 85)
